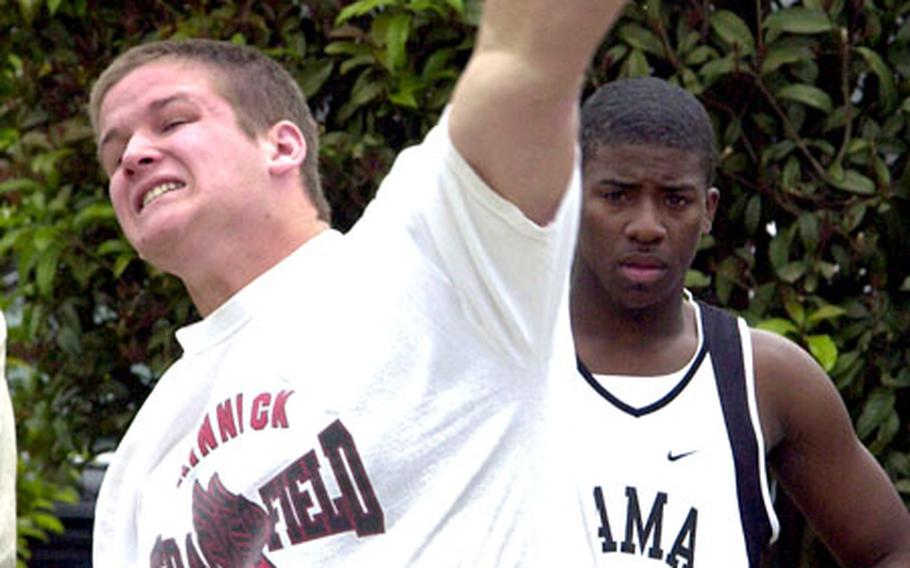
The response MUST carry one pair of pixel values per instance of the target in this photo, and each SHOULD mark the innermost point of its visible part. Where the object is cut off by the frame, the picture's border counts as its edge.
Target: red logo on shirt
(232, 418)
(232, 531)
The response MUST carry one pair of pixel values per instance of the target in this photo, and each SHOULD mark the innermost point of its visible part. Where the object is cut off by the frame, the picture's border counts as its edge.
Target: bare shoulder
(782, 363)
(794, 393)
(778, 353)
(819, 461)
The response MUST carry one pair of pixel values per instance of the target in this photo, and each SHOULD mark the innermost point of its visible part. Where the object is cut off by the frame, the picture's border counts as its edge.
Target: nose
(140, 153)
(645, 224)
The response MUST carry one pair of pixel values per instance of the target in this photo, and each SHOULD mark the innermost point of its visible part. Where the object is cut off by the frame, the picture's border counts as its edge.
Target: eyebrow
(625, 185)
(614, 182)
(682, 187)
(155, 106)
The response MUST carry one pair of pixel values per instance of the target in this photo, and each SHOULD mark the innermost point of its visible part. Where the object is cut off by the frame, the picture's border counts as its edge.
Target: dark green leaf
(876, 410)
(854, 182)
(347, 48)
(641, 38)
(697, 280)
(779, 326)
(121, 264)
(887, 92)
(826, 313)
(753, 214)
(792, 271)
(637, 64)
(733, 31)
(799, 20)
(46, 269)
(886, 433)
(808, 95)
(779, 251)
(355, 62)
(19, 184)
(704, 53)
(902, 380)
(717, 68)
(93, 214)
(796, 311)
(808, 230)
(777, 57)
(360, 8)
(315, 74)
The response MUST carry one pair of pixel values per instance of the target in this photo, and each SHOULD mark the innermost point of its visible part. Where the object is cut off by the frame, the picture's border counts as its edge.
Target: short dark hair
(648, 111)
(260, 91)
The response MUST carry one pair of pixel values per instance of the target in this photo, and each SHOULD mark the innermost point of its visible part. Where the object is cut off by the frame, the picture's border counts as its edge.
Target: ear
(712, 198)
(286, 147)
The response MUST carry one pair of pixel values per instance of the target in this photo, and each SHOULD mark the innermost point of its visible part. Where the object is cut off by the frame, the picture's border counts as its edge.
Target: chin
(640, 297)
(159, 250)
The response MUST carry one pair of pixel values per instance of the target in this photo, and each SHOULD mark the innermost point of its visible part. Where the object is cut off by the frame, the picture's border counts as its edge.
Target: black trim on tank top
(723, 340)
(647, 409)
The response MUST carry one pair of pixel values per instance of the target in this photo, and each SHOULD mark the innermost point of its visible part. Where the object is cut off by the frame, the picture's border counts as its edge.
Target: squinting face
(644, 211)
(183, 175)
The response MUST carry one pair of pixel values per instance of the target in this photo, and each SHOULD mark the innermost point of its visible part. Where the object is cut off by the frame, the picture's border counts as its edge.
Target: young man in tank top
(679, 406)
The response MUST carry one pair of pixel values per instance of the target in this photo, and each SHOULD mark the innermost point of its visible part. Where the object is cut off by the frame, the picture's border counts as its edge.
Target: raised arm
(514, 111)
(840, 488)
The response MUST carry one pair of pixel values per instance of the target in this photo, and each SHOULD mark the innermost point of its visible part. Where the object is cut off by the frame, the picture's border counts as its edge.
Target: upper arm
(819, 461)
(514, 110)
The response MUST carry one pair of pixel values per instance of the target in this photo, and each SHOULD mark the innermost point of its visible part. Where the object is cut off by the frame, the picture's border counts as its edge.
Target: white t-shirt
(7, 464)
(377, 399)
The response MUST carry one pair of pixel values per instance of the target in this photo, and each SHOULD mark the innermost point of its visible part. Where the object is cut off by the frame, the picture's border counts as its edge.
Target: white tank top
(677, 476)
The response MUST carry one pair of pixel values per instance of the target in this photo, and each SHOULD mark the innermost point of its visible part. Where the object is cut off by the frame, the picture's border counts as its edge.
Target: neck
(232, 266)
(615, 337)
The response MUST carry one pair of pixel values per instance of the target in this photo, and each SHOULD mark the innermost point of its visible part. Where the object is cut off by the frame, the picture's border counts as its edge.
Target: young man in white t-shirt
(7, 464)
(375, 398)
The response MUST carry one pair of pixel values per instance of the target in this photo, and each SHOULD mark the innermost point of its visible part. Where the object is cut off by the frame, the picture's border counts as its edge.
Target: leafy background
(810, 100)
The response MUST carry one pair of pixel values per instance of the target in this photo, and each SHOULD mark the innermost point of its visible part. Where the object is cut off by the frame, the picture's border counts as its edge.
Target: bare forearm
(554, 39)
(515, 108)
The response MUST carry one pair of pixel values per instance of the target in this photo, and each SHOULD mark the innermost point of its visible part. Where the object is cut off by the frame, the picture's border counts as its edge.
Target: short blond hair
(260, 91)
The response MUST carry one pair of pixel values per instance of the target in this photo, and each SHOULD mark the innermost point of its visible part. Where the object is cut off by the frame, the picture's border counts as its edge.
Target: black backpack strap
(725, 347)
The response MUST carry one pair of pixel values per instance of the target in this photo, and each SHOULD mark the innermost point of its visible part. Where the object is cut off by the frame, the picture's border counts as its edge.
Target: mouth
(642, 269)
(158, 190)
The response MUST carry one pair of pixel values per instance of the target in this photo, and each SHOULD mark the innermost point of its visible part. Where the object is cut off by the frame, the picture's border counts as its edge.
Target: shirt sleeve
(510, 274)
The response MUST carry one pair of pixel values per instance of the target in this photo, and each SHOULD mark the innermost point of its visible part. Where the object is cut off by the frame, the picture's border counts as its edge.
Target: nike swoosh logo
(673, 457)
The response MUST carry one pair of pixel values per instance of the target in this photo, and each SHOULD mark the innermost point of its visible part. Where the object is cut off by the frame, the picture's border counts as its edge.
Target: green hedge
(810, 101)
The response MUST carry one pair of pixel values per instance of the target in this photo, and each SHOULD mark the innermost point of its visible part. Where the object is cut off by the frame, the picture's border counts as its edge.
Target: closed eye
(172, 124)
(113, 162)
